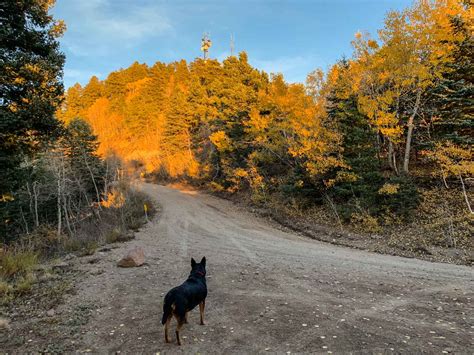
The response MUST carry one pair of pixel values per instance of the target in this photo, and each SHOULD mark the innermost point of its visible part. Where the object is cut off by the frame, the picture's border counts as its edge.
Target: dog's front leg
(202, 305)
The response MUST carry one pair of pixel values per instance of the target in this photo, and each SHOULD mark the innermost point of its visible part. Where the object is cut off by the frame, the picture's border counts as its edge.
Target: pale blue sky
(291, 37)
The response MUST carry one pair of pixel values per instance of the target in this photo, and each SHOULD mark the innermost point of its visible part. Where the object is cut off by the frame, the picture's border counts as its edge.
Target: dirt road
(269, 290)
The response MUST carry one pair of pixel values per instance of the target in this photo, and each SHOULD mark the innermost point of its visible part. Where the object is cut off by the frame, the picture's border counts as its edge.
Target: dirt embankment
(409, 240)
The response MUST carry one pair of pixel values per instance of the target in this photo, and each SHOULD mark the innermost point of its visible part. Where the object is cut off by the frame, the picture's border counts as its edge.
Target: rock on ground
(4, 324)
(133, 258)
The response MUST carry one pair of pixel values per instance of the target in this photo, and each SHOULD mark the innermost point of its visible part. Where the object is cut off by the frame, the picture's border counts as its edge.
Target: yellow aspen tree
(415, 46)
(454, 161)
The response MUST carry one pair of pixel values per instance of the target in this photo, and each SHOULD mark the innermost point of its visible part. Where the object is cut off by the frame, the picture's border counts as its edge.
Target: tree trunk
(93, 180)
(444, 179)
(31, 198)
(378, 144)
(411, 125)
(392, 158)
(395, 166)
(390, 154)
(335, 211)
(66, 215)
(106, 182)
(35, 194)
(465, 194)
(24, 221)
(59, 205)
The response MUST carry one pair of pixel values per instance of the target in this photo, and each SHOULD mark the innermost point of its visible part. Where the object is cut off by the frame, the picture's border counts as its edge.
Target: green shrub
(16, 277)
(5, 288)
(89, 247)
(133, 210)
(380, 198)
(24, 284)
(365, 222)
(403, 201)
(16, 263)
(113, 235)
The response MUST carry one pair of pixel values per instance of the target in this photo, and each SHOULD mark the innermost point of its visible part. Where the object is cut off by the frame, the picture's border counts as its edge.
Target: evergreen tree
(30, 88)
(453, 97)
(92, 91)
(73, 106)
(359, 183)
(81, 145)
(450, 146)
(115, 86)
(31, 83)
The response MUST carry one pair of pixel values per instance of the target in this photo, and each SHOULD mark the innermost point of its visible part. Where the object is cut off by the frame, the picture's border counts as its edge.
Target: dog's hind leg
(202, 305)
(186, 318)
(180, 315)
(178, 328)
(167, 324)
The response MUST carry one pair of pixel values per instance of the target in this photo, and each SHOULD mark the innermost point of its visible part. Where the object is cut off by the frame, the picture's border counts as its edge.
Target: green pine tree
(31, 67)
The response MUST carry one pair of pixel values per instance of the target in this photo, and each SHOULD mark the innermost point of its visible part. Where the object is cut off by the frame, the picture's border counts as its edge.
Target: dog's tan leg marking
(167, 324)
(202, 305)
(178, 328)
(186, 318)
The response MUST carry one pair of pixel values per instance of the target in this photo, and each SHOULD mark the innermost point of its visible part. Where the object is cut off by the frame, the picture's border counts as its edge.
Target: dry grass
(124, 211)
(442, 221)
(16, 262)
(16, 272)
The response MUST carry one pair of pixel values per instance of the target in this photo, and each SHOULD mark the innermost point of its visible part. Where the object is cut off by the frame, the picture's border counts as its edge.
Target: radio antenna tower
(232, 45)
(206, 43)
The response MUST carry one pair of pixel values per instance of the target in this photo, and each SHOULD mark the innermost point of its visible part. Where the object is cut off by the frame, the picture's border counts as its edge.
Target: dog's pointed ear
(203, 261)
(193, 262)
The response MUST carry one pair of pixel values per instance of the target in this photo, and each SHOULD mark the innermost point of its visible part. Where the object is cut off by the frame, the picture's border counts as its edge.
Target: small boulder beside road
(133, 258)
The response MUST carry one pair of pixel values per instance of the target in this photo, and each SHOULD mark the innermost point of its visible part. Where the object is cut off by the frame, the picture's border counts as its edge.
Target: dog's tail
(167, 309)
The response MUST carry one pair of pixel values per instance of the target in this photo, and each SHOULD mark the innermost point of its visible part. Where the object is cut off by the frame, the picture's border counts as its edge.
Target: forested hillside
(370, 138)
(57, 195)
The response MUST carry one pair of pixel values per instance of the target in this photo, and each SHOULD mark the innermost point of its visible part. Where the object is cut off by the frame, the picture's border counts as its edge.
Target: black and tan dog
(184, 298)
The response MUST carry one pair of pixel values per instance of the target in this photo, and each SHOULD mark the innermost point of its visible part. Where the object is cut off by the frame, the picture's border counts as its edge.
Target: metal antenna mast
(206, 43)
(232, 45)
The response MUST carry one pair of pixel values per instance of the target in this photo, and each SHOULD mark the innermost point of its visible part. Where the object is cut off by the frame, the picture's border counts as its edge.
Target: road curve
(273, 291)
